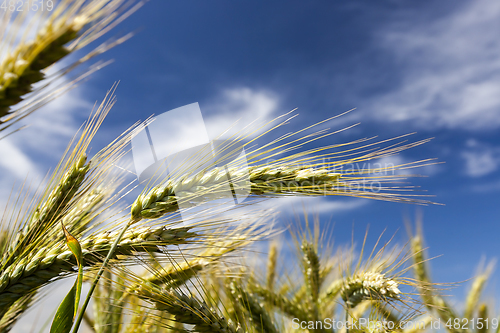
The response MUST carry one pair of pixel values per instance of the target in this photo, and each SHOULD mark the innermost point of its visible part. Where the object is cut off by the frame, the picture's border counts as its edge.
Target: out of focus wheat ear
(33, 41)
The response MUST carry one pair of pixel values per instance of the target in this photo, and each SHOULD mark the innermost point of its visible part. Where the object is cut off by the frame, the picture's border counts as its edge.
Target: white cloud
(480, 159)
(319, 205)
(452, 70)
(234, 109)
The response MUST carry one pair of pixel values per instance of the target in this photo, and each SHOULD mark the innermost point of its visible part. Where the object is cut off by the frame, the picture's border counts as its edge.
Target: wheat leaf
(65, 315)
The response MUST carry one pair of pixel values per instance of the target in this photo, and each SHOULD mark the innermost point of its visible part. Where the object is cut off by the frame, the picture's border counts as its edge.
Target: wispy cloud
(480, 159)
(490, 186)
(319, 205)
(451, 69)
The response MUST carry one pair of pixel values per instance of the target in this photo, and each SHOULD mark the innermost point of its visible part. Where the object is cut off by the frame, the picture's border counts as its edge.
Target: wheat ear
(311, 270)
(369, 286)
(49, 263)
(10, 317)
(188, 310)
(164, 199)
(78, 21)
(177, 274)
(475, 293)
(311, 266)
(258, 315)
(271, 266)
(432, 301)
(77, 219)
(45, 216)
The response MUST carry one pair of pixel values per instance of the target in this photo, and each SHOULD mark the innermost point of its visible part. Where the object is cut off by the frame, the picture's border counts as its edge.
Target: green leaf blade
(63, 320)
(65, 315)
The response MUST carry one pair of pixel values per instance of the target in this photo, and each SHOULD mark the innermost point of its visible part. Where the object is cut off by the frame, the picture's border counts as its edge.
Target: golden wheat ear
(270, 171)
(32, 43)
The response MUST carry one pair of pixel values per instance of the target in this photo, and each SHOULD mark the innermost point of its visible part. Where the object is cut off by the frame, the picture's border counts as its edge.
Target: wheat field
(181, 256)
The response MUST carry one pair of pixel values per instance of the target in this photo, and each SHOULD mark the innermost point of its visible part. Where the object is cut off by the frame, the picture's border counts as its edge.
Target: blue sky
(427, 66)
